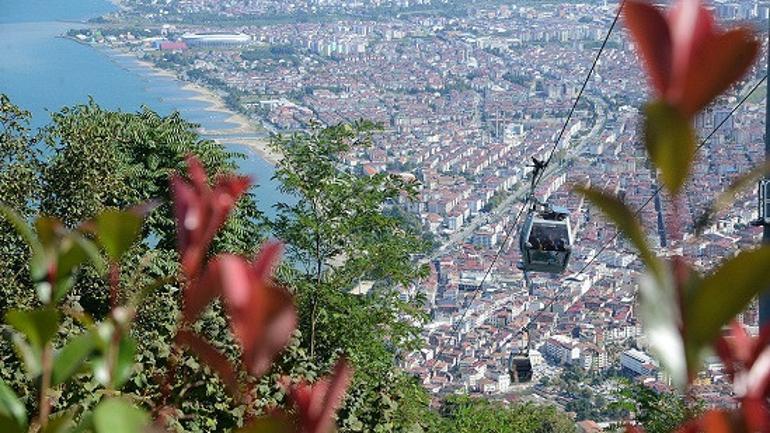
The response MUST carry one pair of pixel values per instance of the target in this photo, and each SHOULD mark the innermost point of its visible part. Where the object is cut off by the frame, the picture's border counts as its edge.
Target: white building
(561, 349)
(637, 362)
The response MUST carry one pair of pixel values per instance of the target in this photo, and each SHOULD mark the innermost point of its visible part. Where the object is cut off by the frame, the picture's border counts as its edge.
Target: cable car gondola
(546, 240)
(519, 364)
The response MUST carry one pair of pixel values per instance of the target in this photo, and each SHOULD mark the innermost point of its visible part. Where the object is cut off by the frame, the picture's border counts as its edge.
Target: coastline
(242, 125)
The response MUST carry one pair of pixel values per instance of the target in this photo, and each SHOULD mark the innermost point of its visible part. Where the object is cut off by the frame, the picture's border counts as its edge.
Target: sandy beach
(215, 103)
(241, 124)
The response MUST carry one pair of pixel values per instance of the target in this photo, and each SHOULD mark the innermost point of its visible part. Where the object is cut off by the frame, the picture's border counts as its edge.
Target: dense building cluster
(465, 102)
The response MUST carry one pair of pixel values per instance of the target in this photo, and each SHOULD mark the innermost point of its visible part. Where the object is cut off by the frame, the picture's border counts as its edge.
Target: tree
(93, 159)
(338, 235)
(112, 159)
(657, 411)
(19, 190)
(468, 415)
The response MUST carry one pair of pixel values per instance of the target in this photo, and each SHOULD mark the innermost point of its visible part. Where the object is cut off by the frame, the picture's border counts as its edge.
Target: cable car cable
(557, 260)
(580, 93)
(511, 227)
(477, 290)
(639, 210)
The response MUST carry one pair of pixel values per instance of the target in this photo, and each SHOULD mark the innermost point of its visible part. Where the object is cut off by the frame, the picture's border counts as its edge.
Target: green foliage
(119, 416)
(413, 226)
(95, 163)
(338, 234)
(19, 190)
(670, 143)
(275, 52)
(104, 159)
(495, 201)
(13, 416)
(467, 415)
(19, 162)
(657, 411)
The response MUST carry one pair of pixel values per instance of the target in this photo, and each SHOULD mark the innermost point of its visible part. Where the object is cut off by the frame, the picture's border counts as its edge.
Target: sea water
(42, 72)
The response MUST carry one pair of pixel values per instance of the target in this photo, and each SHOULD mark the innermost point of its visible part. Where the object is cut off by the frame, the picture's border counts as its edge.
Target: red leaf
(186, 206)
(200, 292)
(714, 67)
(211, 357)
(725, 352)
(691, 27)
(318, 403)
(758, 376)
(201, 211)
(755, 415)
(262, 313)
(267, 259)
(232, 276)
(226, 193)
(650, 32)
(196, 172)
(683, 274)
(336, 389)
(761, 342)
(690, 427)
(715, 421)
(747, 361)
(742, 344)
(264, 326)
(688, 60)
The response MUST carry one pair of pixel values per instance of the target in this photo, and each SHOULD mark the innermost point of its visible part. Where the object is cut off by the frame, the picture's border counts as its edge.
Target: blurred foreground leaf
(726, 198)
(117, 231)
(71, 357)
(659, 313)
(13, 414)
(625, 220)
(39, 326)
(726, 292)
(59, 423)
(270, 424)
(56, 253)
(119, 416)
(670, 142)
(114, 369)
